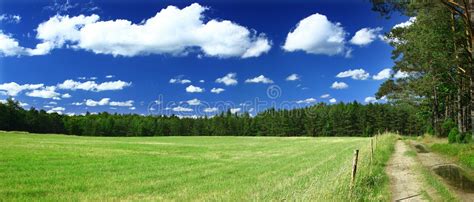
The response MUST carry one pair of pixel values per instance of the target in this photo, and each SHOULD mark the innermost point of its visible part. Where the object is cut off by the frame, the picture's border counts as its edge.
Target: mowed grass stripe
(56, 167)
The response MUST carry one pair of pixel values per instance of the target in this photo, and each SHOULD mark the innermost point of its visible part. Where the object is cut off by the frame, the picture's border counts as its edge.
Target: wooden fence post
(354, 170)
(371, 151)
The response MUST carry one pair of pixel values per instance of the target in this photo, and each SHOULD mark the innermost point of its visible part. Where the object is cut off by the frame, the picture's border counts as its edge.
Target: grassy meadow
(59, 167)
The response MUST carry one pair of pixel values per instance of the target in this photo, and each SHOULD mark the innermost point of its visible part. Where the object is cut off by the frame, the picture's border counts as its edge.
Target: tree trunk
(470, 14)
(460, 118)
(436, 113)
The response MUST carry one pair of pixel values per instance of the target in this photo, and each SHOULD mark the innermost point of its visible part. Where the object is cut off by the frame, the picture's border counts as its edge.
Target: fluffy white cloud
(112, 85)
(235, 110)
(12, 88)
(325, 96)
(306, 101)
(365, 36)
(317, 35)
(109, 76)
(93, 86)
(217, 90)
(332, 100)
(194, 102)
(179, 80)
(104, 102)
(58, 31)
(384, 74)
(128, 103)
(93, 103)
(293, 77)
(194, 89)
(229, 80)
(339, 85)
(46, 92)
(259, 79)
(66, 95)
(211, 109)
(23, 104)
(132, 108)
(370, 99)
(407, 23)
(357, 74)
(401, 75)
(182, 109)
(58, 110)
(171, 31)
(10, 46)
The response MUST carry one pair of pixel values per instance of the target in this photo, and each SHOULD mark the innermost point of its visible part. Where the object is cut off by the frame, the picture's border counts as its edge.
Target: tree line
(351, 119)
(436, 52)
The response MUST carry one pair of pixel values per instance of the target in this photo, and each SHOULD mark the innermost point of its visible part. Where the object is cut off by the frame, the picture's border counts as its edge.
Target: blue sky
(56, 55)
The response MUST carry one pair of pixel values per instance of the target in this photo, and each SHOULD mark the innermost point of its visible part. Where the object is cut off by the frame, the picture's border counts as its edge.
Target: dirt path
(405, 181)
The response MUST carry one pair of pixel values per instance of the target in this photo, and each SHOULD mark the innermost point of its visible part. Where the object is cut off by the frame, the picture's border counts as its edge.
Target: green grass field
(59, 167)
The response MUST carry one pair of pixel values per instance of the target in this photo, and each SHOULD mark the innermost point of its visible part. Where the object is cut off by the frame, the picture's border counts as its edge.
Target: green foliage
(351, 119)
(453, 135)
(463, 152)
(447, 125)
(467, 138)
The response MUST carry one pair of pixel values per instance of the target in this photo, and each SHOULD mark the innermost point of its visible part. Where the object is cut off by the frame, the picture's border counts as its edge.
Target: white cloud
(401, 75)
(182, 109)
(371, 100)
(12, 88)
(23, 104)
(332, 100)
(306, 101)
(365, 36)
(384, 74)
(8, 18)
(132, 108)
(46, 92)
(357, 74)
(93, 86)
(407, 23)
(235, 110)
(59, 30)
(217, 90)
(10, 46)
(52, 103)
(171, 31)
(58, 110)
(180, 81)
(259, 79)
(109, 76)
(229, 80)
(194, 102)
(325, 96)
(211, 109)
(339, 85)
(93, 103)
(77, 103)
(194, 89)
(293, 77)
(66, 95)
(128, 103)
(317, 35)
(201, 81)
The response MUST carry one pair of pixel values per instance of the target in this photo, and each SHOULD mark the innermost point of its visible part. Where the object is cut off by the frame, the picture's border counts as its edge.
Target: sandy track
(404, 179)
